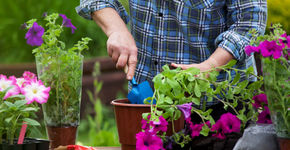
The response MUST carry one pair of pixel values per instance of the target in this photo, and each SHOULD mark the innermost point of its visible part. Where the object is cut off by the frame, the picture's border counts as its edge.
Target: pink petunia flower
(219, 128)
(264, 116)
(186, 109)
(227, 123)
(8, 83)
(29, 75)
(285, 41)
(251, 49)
(148, 141)
(260, 100)
(271, 49)
(36, 91)
(195, 129)
(145, 125)
(231, 123)
(160, 125)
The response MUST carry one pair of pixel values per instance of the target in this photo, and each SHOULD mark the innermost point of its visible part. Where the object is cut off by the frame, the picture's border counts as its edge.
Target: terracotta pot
(61, 136)
(284, 143)
(128, 118)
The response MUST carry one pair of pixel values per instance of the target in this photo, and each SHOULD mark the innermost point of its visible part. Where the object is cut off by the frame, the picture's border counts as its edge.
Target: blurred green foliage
(101, 129)
(13, 13)
(278, 12)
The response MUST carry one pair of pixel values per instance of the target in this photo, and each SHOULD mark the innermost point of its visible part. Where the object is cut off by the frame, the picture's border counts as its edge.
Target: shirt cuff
(86, 8)
(233, 43)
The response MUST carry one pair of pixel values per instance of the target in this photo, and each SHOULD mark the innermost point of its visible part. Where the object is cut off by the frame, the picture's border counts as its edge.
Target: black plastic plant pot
(12, 147)
(42, 144)
(28, 144)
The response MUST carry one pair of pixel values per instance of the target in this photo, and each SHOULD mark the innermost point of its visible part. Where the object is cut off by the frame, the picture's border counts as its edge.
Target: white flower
(36, 91)
(8, 83)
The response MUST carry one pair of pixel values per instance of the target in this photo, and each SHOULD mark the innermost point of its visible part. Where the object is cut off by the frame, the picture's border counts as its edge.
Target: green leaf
(31, 122)
(197, 90)
(168, 100)
(9, 104)
(195, 100)
(236, 79)
(145, 115)
(177, 114)
(20, 103)
(230, 64)
(205, 130)
(9, 119)
(30, 109)
(193, 71)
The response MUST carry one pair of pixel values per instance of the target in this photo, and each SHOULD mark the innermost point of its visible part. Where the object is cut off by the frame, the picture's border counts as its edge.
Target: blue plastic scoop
(139, 92)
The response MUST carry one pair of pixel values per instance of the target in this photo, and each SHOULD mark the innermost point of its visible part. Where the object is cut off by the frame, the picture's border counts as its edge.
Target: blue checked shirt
(186, 31)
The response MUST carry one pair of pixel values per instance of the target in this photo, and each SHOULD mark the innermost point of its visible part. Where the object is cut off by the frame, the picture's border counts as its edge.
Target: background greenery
(14, 13)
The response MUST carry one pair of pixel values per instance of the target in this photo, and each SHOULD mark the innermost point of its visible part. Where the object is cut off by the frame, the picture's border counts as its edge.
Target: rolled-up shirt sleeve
(87, 7)
(242, 16)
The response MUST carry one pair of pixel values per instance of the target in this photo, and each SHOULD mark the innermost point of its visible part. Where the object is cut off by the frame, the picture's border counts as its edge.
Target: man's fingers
(122, 61)
(115, 56)
(132, 62)
(183, 67)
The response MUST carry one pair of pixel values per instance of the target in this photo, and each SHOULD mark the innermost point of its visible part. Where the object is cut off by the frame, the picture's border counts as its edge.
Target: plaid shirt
(186, 31)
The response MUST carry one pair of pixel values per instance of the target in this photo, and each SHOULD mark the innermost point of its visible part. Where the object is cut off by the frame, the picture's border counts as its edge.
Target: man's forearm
(219, 58)
(120, 44)
(109, 20)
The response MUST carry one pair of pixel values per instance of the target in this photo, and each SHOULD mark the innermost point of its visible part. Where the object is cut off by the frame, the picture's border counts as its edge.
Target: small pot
(128, 118)
(61, 136)
(284, 143)
(28, 144)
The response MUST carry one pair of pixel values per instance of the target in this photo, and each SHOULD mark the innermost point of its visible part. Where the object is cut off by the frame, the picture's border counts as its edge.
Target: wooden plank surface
(108, 148)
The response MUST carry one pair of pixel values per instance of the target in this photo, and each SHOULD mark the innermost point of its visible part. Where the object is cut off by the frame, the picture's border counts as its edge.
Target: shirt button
(160, 14)
(155, 62)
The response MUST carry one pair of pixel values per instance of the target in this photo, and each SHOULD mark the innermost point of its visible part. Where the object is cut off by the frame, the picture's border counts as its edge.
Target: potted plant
(18, 105)
(184, 92)
(61, 69)
(274, 52)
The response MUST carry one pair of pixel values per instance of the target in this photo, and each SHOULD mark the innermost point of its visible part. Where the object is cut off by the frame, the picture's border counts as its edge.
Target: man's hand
(204, 66)
(121, 47)
(219, 58)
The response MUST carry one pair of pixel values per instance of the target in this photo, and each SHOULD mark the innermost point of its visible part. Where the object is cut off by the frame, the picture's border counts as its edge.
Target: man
(182, 33)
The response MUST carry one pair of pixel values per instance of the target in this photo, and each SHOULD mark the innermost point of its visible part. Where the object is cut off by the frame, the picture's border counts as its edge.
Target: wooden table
(108, 148)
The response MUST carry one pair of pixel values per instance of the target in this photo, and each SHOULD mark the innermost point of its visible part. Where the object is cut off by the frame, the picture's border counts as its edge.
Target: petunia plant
(185, 92)
(274, 51)
(58, 67)
(19, 99)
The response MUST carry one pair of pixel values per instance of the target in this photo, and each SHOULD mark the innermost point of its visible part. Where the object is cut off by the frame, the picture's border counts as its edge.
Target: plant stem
(1, 137)
(172, 122)
(202, 118)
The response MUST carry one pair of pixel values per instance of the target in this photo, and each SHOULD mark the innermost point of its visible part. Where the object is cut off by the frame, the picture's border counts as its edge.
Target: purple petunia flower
(264, 116)
(260, 100)
(34, 35)
(161, 125)
(271, 49)
(148, 141)
(251, 49)
(227, 123)
(66, 22)
(186, 109)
